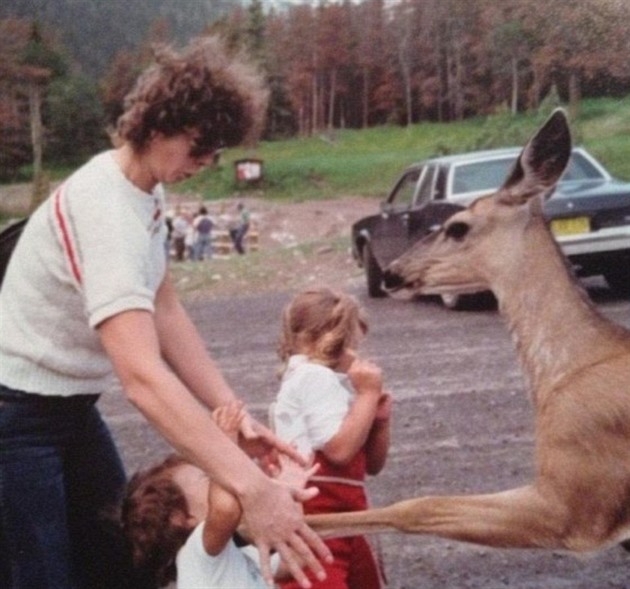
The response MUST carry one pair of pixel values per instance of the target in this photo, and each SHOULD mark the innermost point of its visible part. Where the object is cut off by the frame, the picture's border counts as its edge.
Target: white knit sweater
(93, 249)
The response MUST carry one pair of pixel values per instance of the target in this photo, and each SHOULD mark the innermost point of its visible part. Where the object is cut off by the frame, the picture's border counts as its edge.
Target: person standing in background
(203, 225)
(181, 226)
(240, 228)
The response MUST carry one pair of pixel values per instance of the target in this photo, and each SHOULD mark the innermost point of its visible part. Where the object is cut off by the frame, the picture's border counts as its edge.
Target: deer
(576, 363)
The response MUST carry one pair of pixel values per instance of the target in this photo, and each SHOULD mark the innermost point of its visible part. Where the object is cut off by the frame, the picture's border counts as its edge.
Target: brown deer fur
(577, 364)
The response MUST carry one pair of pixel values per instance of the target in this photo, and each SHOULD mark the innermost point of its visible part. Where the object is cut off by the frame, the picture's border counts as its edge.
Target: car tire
(451, 301)
(373, 274)
(480, 301)
(619, 281)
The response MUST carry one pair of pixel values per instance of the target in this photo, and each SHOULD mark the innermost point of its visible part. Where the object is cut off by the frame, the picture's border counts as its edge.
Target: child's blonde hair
(321, 323)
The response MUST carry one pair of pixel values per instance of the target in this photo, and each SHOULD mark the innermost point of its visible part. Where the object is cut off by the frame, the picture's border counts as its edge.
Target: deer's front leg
(520, 518)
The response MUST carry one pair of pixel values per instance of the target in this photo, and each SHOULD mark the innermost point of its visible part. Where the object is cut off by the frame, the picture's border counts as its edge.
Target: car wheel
(619, 281)
(480, 301)
(451, 301)
(373, 273)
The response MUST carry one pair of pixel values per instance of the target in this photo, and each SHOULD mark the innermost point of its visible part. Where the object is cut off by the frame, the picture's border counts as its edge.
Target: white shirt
(311, 405)
(93, 249)
(233, 568)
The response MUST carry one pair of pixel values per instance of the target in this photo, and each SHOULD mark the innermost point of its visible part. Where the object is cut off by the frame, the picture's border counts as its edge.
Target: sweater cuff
(135, 302)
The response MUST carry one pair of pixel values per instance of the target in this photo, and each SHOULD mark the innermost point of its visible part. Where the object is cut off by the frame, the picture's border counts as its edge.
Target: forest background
(65, 65)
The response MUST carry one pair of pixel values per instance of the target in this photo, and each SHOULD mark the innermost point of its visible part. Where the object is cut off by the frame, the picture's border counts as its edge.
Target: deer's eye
(457, 231)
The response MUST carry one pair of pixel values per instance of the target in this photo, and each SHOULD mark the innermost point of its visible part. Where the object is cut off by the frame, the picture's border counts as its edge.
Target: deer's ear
(541, 162)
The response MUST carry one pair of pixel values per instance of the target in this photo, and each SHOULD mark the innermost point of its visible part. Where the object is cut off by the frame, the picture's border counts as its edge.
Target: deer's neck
(555, 327)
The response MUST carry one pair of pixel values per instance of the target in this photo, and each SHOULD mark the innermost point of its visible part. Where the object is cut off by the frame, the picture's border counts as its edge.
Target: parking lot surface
(462, 424)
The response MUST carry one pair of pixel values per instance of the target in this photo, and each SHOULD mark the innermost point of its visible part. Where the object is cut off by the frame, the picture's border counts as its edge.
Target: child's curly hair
(321, 323)
(202, 88)
(155, 520)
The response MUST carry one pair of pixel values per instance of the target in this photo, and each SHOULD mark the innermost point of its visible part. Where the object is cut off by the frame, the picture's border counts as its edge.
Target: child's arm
(377, 445)
(224, 515)
(367, 380)
(224, 510)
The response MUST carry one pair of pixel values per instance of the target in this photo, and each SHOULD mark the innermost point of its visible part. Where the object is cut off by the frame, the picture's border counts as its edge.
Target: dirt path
(282, 224)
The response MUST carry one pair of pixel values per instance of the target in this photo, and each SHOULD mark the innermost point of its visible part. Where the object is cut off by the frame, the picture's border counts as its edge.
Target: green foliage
(367, 162)
(95, 30)
(75, 120)
(41, 54)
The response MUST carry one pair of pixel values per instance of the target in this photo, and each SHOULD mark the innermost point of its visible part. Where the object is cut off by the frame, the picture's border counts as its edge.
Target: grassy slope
(366, 162)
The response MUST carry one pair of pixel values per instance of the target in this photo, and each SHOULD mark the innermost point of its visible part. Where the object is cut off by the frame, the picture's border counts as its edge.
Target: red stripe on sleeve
(65, 236)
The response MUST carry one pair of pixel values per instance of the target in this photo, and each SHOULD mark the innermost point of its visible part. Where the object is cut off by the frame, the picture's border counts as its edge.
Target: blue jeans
(238, 238)
(60, 474)
(203, 247)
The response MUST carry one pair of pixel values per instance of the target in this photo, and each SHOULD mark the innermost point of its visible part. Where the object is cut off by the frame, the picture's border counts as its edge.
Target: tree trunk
(405, 70)
(37, 134)
(332, 98)
(534, 90)
(315, 104)
(514, 85)
(459, 98)
(366, 99)
(575, 94)
(40, 184)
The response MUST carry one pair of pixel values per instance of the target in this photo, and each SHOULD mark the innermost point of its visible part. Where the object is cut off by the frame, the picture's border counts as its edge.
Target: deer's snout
(392, 280)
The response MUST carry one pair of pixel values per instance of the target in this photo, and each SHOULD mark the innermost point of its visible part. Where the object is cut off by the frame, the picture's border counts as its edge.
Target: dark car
(589, 213)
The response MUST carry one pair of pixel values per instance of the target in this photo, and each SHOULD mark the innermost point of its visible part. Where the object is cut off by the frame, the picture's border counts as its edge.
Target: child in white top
(182, 526)
(332, 404)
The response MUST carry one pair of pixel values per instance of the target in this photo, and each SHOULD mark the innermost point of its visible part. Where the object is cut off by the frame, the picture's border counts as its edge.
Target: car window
(402, 196)
(480, 176)
(425, 189)
(490, 174)
(580, 168)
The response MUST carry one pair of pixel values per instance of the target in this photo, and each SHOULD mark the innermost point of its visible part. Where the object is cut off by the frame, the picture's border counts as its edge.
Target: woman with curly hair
(332, 403)
(87, 295)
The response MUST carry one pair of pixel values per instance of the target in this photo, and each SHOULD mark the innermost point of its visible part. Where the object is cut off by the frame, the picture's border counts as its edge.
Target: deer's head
(480, 243)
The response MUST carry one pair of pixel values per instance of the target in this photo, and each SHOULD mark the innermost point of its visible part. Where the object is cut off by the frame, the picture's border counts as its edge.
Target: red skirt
(354, 565)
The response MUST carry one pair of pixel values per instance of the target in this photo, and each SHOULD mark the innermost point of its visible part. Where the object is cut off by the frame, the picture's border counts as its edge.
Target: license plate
(570, 226)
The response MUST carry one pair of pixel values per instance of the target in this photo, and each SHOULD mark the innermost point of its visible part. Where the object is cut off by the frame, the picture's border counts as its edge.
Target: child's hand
(293, 475)
(384, 407)
(229, 418)
(366, 377)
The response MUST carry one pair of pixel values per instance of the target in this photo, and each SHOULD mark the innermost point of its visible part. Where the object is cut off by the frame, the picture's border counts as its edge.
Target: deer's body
(577, 364)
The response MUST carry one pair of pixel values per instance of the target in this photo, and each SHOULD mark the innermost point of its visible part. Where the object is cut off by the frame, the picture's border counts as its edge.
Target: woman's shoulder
(100, 165)
(99, 175)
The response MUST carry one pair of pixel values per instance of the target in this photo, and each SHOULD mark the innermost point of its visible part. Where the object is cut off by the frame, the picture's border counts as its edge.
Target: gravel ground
(462, 424)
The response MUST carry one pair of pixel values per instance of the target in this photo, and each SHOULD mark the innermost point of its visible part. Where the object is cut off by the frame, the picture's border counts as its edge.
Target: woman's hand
(274, 518)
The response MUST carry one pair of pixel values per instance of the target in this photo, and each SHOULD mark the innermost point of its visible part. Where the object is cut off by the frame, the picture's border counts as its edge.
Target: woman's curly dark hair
(155, 521)
(202, 88)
